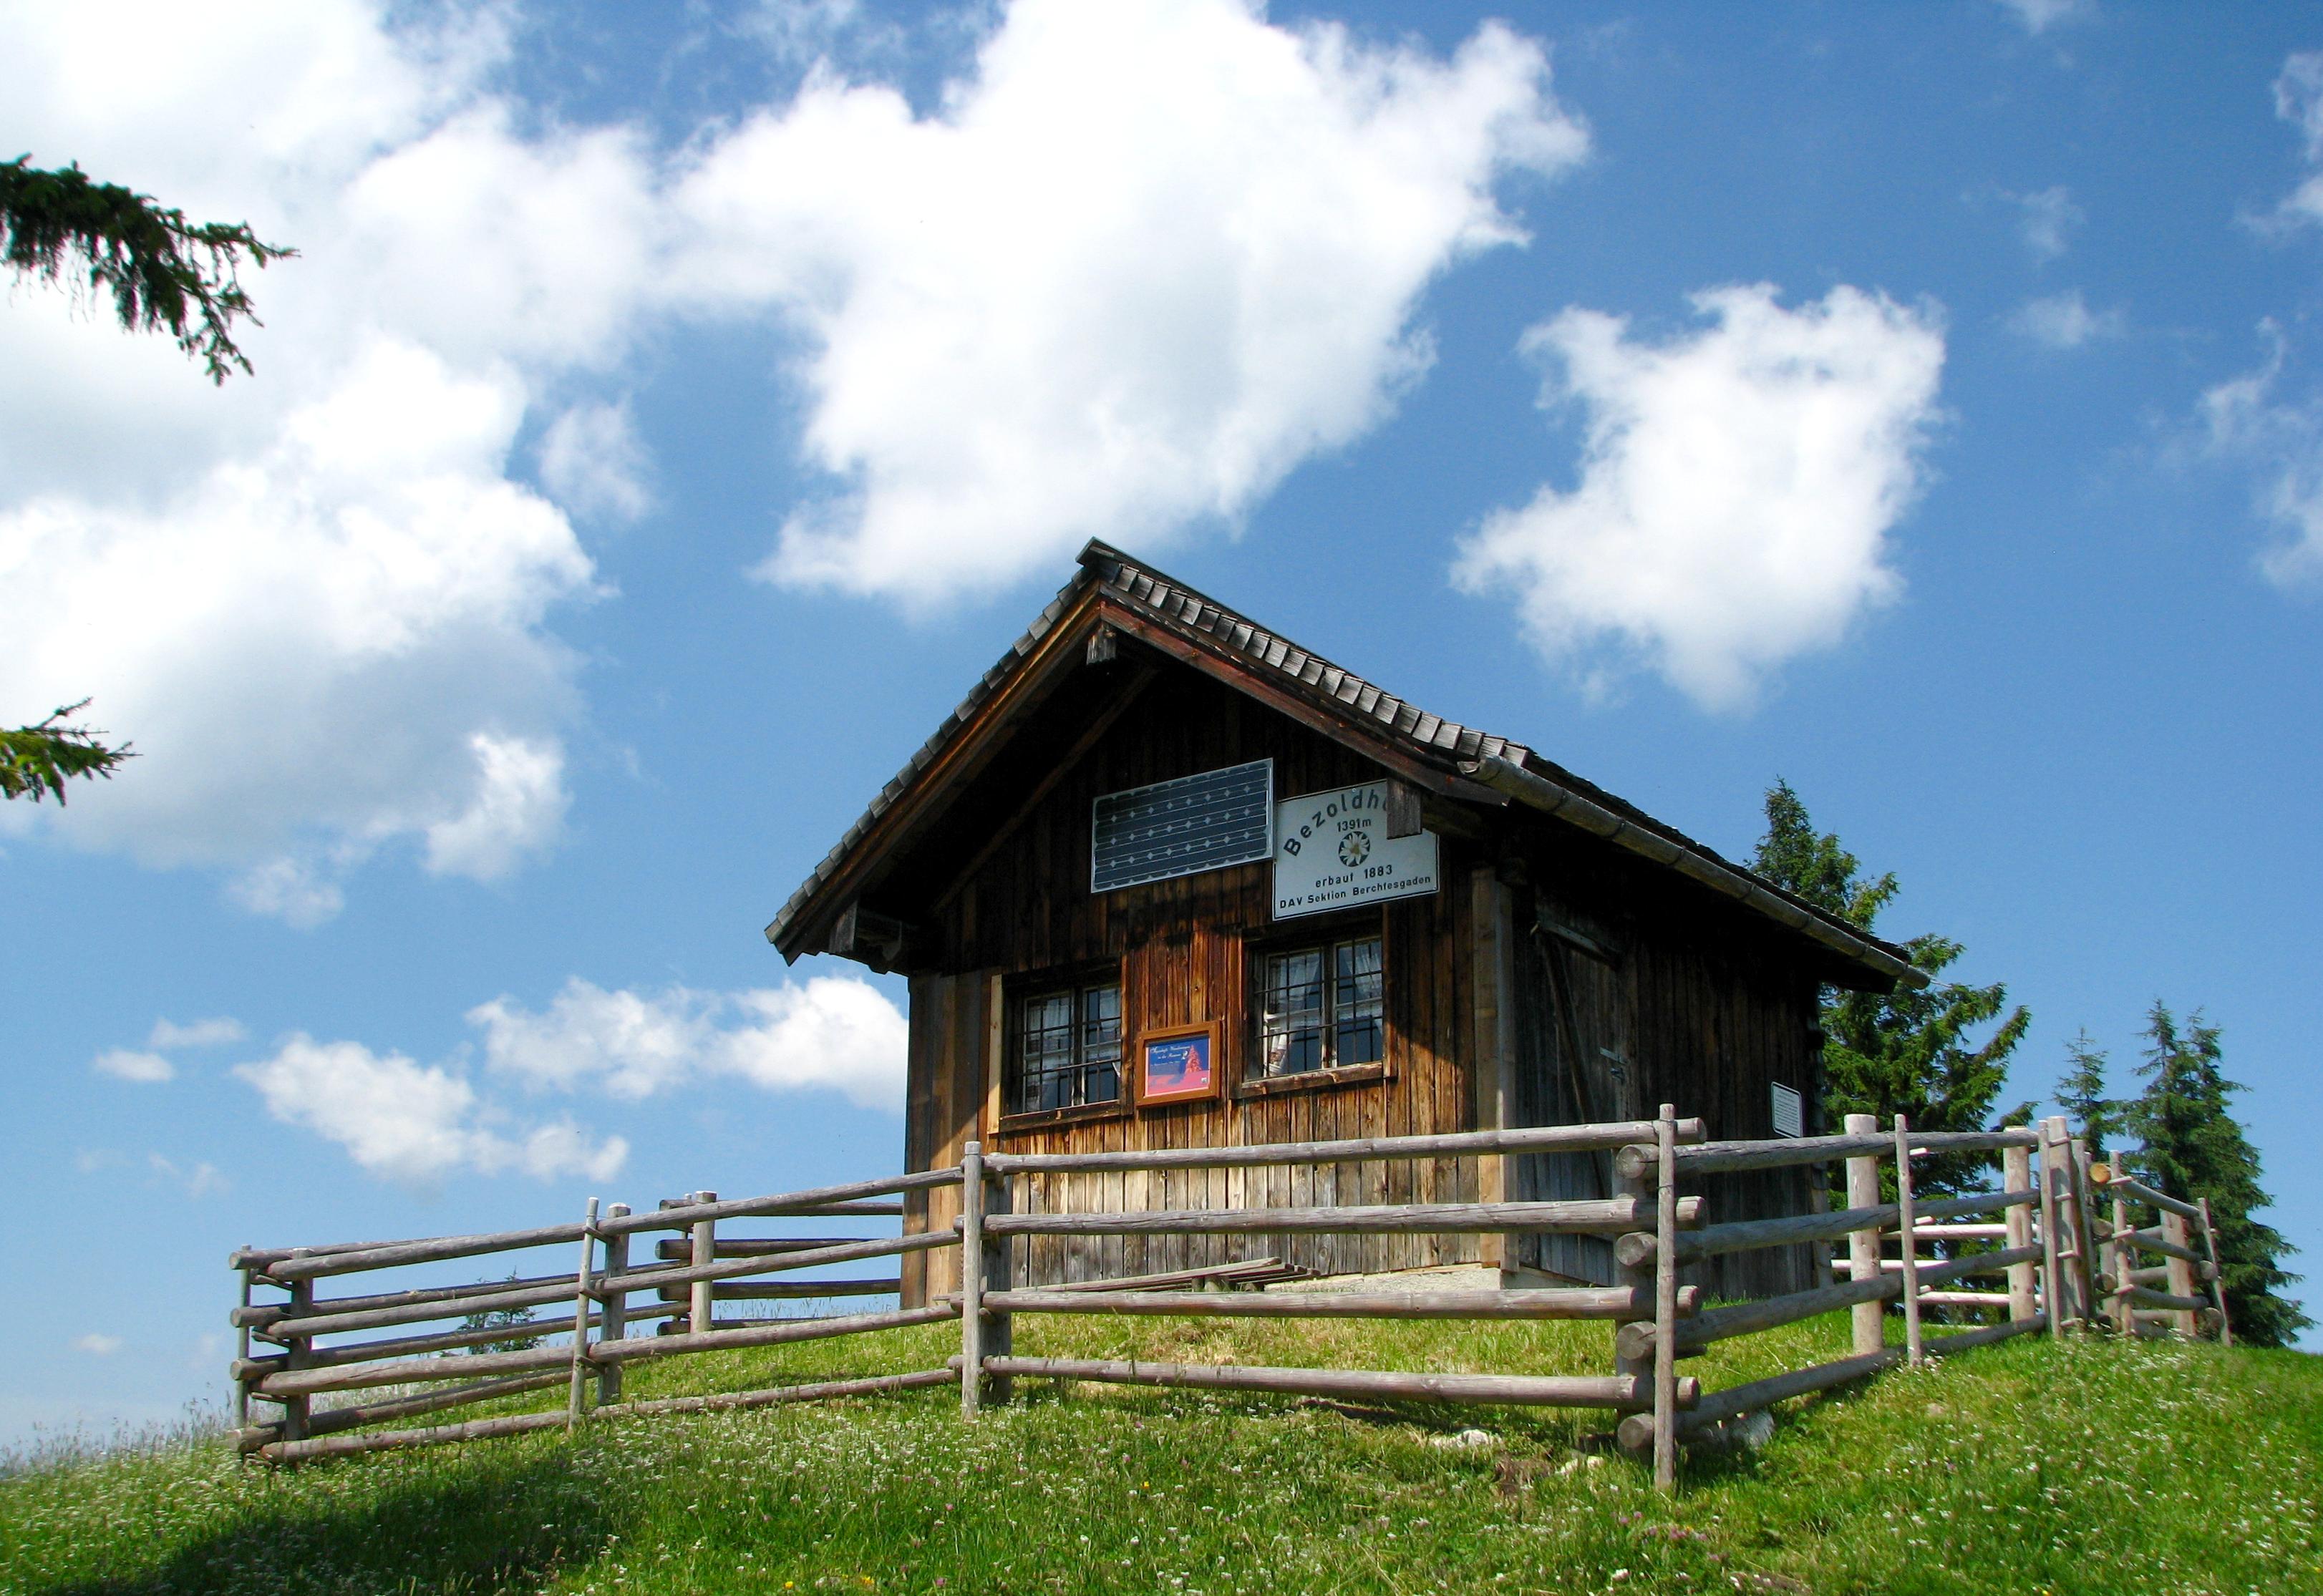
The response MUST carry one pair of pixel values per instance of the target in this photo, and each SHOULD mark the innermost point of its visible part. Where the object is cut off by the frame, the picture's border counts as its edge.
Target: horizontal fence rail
(1596, 1138)
(1607, 1217)
(1577, 1302)
(1618, 1392)
(2060, 1242)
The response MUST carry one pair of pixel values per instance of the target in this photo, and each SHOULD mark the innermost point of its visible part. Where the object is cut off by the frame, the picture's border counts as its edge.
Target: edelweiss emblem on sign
(1354, 847)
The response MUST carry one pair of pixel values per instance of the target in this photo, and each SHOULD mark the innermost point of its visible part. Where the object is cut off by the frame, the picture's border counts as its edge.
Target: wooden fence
(1978, 1266)
(603, 1331)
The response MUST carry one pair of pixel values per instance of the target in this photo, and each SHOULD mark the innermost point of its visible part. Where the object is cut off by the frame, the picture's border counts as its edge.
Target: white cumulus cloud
(200, 1033)
(413, 1122)
(592, 464)
(1150, 256)
(828, 1033)
(2038, 16)
(307, 642)
(420, 1124)
(1131, 267)
(2247, 418)
(1737, 485)
(2049, 222)
(293, 891)
(198, 1180)
(97, 1343)
(130, 1064)
(517, 808)
(2064, 321)
(2263, 419)
(2299, 100)
(315, 600)
(147, 1063)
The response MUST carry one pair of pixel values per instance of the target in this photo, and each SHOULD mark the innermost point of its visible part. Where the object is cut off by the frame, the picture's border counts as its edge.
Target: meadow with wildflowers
(2030, 1466)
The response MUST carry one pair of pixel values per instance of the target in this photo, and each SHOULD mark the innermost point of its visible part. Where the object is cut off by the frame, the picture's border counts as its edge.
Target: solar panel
(1183, 827)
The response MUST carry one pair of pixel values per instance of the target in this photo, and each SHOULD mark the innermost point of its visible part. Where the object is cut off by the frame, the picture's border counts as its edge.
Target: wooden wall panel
(1699, 1006)
(1183, 949)
(1699, 1010)
(927, 1058)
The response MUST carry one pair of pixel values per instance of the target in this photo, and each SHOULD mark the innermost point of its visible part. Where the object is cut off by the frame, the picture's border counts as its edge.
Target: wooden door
(1574, 1065)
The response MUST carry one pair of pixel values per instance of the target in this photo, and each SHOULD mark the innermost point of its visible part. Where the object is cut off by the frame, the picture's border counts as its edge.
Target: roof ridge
(1125, 573)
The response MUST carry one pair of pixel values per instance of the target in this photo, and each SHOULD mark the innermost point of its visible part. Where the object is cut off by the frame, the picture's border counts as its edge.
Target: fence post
(298, 1353)
(573, 1391)
(1642, 1281)
(242, 1354)
(1863, 1245)
(2052, 1302)
(2016, 1175)
(2175, 1231)
(701, 1313)
(1909, 1242)
(999, 1265)
(971, 1278)
(2217, 1274)
(1665, 1300)
(2071, 1254)
(2121, 1258)
(616, 1308)
(2085, 1229)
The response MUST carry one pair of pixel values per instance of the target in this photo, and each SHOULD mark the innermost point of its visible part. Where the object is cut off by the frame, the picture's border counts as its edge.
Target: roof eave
(1538, 792)
(808, 907)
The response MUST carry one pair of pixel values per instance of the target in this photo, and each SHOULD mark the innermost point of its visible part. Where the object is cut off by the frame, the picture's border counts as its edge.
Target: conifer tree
(2193, 1148)
(2081, 1094)
(1908, 1052)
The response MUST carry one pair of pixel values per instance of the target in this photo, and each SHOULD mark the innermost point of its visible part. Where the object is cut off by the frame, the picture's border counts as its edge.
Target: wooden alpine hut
(1166, 879)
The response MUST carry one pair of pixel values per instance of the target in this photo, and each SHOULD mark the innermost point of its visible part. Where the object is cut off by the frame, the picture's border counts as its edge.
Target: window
(1322, 1008)
(1067, 1050)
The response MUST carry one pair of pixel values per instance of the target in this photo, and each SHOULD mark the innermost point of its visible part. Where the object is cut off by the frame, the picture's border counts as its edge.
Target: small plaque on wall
(1178, 1065)
(1790, 1112)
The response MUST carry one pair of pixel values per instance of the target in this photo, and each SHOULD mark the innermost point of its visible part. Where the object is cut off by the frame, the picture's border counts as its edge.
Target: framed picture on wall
(1177, 1064)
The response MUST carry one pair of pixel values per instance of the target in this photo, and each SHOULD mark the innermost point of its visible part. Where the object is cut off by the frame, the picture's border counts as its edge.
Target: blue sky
(673, 409)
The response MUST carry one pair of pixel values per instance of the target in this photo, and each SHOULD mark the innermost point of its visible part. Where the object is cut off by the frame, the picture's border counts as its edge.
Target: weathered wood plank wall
(1647, 997)
(1682, 1002)
(1189, 950)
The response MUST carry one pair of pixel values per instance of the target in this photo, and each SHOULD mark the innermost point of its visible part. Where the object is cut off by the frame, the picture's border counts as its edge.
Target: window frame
(1017, 995)
(1323, 936)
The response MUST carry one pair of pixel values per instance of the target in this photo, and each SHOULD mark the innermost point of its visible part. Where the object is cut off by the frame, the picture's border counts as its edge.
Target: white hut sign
(1332, 851)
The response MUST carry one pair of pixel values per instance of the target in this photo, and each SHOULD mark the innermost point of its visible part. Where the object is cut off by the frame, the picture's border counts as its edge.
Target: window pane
(1357, 1004)
(1068, 1049)
(1100, 1059)
(1046, 1062)
(1101, 1083)
(1291, 1030)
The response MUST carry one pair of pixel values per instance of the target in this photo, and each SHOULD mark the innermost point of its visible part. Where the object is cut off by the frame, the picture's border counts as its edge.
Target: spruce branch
(161, 270)
(39, 759)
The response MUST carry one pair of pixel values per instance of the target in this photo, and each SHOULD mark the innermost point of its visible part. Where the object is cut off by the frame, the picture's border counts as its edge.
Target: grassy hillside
(2023, 1467)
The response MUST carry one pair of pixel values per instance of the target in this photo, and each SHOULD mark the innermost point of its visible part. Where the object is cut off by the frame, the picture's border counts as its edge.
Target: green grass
(2026, 1466)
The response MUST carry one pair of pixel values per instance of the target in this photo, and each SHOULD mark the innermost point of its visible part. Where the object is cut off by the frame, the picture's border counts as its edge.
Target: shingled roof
(1458, 761)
